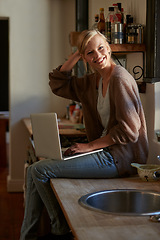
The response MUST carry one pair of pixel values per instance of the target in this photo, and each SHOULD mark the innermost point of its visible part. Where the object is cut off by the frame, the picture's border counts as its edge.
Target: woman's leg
(97, 165)
(33, 209)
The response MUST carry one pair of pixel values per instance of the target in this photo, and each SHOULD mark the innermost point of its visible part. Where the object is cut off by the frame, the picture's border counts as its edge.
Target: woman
(114, 120)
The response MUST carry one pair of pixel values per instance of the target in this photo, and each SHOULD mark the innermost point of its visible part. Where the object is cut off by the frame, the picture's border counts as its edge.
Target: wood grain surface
(91, 225)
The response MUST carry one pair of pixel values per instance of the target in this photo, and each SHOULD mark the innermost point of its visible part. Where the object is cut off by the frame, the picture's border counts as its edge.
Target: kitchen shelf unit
(116, 48)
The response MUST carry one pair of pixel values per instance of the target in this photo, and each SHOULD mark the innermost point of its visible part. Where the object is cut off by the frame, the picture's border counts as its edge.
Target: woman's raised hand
(71, 62)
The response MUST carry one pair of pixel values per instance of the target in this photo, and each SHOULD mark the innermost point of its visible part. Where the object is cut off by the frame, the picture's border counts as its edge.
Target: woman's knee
(38, 170)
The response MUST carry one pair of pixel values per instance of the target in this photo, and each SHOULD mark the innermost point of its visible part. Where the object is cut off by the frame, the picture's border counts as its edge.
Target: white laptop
(46, 139)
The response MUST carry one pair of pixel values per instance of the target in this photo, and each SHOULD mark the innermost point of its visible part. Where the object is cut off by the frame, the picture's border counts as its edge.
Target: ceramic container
(147, 171)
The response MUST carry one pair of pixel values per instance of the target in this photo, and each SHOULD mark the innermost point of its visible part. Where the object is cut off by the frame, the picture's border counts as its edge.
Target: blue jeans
(40, 193)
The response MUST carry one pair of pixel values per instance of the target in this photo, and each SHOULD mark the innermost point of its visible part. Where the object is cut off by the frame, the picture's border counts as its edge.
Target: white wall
(153, 120)
(63, 22)
(38, 41)
(29, 60)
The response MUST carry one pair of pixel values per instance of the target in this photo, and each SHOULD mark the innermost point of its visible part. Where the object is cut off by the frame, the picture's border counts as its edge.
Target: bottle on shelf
(109, 21)
(140, 30)
(114, 20)
(123, 21)
(122, 16)
(126, 27)
(117, 10)
(101, 23)
(116, 27)
(120, 13)
(95, 25)
(128, 16)
(129, 29)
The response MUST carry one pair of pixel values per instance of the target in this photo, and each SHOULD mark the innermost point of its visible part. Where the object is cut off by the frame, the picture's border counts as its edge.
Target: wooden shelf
(127, 48)
(116, 48)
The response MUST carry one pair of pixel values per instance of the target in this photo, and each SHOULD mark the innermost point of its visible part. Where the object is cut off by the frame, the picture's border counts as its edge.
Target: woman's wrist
(71, 62)
(77, 54)
(75, 57)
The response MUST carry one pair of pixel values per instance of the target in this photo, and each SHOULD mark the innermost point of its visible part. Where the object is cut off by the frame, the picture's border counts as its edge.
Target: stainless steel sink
(123, 202)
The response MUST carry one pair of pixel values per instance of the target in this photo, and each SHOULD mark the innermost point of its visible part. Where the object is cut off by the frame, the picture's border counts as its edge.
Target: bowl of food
(148, 172)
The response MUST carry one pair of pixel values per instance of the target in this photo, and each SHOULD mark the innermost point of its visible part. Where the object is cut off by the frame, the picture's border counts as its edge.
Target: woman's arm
(87, 147)
(70, 63)
(63, 83)
(101, 142)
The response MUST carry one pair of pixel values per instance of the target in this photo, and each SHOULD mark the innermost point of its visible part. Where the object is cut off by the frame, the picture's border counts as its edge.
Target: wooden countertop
(91, 225)
(66, 128)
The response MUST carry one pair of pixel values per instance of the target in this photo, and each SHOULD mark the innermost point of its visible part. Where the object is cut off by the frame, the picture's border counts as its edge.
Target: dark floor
(11, 210)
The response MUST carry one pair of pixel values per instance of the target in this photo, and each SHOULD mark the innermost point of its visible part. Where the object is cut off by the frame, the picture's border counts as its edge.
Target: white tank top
(103, 107)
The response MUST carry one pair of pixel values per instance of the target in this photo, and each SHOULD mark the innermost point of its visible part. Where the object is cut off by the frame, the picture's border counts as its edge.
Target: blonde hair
(86, 36)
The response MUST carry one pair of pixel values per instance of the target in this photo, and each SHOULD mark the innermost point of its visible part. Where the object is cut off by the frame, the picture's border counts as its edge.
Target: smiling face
(97, 53)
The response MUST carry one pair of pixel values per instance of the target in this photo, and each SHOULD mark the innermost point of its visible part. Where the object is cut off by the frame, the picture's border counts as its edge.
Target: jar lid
(111, 9)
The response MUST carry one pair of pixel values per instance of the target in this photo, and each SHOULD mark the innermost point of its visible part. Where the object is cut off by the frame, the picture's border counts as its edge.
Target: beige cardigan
(126, 125)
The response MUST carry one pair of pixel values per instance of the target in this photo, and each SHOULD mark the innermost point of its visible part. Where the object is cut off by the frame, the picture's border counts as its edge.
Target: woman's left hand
(77, 148)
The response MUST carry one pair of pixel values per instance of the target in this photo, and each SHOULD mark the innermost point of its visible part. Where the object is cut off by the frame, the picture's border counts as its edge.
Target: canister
(140, 30)
(117, 33)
